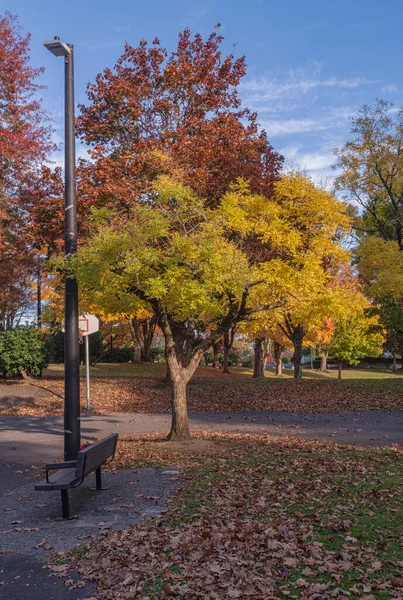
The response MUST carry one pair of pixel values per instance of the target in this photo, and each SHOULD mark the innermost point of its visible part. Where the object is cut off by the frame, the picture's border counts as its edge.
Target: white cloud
(316, 161)
(391, 88)
(290, 126)
(326, 119)
(317, 164)
(296, 82)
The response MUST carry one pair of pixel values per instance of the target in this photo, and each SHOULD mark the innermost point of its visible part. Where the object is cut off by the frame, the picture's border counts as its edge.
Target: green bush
(247, 362)
(120, 354)
(157, 354)
(22, 350)
(54, 344)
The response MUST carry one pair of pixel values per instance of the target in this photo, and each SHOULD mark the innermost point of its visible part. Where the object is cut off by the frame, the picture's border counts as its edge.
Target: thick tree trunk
(180, 425)
(136, 353)
(136, 338)
(323, 360)
(147, 349)
(229, 336)
(216, 354)
(297, 356)
(277, 355)
(340, 369)
(148, 330)
(258, 367)
(226, 352)
(168, 375)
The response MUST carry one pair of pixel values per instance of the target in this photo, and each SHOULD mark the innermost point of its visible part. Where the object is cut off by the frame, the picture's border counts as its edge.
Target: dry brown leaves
(213, 393)
(260, 518)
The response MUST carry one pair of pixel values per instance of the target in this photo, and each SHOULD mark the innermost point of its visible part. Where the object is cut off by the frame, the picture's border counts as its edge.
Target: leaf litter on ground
(261, 518)
(212, 391)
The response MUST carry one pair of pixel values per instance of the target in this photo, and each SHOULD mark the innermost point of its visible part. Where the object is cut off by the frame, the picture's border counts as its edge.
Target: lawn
(260, 518)
(154, 370)
(141, 389)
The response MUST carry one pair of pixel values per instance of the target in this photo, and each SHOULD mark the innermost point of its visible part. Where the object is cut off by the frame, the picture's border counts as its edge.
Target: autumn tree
(185, 103)
(371, 171)
(186, 262)
(319, 223)
(24, 144)
(371, 176)
(357, 336)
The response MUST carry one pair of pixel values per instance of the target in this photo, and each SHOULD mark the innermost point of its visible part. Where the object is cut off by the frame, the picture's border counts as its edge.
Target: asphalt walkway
(31, 440)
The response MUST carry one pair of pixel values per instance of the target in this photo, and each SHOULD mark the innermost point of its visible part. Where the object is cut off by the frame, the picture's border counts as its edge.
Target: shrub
(157, 354)
(22, 350)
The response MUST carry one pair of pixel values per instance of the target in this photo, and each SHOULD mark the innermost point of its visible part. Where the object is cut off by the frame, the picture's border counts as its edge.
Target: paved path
(30, 440)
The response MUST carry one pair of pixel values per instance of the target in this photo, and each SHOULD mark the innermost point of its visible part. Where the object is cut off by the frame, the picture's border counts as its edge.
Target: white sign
(88, 324)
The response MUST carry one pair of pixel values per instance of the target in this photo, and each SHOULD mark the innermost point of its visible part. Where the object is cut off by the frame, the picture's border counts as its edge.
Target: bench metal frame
(81, 467)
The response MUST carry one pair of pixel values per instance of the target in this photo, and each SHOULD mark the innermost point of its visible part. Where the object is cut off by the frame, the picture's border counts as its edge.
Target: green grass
(369, 501)
(130, 370)
(114, 370)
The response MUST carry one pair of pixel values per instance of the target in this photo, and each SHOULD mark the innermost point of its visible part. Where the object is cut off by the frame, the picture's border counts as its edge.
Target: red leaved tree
(185, 104)
(24, 144)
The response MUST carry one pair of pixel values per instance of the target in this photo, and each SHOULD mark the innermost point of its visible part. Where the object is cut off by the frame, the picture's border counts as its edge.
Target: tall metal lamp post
(71, 338)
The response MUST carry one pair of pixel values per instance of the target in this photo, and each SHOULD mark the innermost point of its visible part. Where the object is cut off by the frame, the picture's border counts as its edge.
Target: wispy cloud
(290, 126)
(296, 82)
(325, 119)
(390, 88)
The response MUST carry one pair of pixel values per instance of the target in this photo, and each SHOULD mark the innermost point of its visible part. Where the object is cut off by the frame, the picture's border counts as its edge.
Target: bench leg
(98, 478)
(65, 504)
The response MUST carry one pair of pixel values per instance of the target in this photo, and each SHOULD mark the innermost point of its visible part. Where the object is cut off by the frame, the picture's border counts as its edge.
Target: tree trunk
(340, 368)
(111, 349)
(258, 367)
(180, 425)
(297, 356)
(136, 353)
(148, 330)
(277, 355)
(135, 331)
(229, 336)
(226, 352)
(167, 374)
(216, 354)
(323, 360)
(147, 349)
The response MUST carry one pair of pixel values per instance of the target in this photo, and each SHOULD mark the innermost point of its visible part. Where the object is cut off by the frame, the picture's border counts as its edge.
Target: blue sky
(311, 63)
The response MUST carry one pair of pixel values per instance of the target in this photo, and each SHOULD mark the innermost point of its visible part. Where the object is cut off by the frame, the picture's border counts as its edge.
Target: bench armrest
(68, 464)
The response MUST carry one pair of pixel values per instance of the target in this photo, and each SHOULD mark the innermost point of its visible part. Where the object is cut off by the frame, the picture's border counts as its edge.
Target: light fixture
(57, 47)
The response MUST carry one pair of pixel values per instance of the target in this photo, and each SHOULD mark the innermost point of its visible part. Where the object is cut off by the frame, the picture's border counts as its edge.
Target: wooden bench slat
(61, 479)
(63, 476)
(89, 459)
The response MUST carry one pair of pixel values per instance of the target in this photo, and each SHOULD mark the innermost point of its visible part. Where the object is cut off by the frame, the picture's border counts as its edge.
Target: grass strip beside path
(260, 518)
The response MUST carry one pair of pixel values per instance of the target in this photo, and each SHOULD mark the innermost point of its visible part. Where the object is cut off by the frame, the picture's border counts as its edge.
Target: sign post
(87, 324)
(87, 373)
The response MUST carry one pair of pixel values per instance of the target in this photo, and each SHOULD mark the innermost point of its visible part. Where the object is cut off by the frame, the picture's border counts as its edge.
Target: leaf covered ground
(259, 518)
(212, 391)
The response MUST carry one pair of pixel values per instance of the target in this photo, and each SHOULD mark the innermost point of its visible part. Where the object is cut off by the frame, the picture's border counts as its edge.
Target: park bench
(70, 474)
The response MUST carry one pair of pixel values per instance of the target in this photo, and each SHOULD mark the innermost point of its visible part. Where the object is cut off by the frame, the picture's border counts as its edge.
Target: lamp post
(71, 339)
